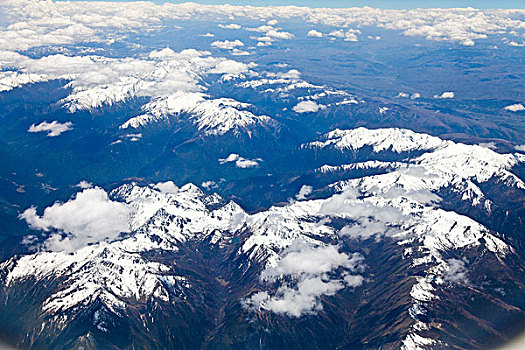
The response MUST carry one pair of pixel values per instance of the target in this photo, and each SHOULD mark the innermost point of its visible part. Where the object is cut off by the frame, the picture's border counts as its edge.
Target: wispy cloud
(313, 275)
(240, 162)
(53, 129)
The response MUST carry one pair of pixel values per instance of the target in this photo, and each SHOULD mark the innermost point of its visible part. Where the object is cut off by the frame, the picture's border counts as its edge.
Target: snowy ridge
(171, 81)
(162, 108)
(443, 163)
(212, 116)
(397, 140)
(99, 96)
(283, 83)
(428, 234)
(370, 164)
(102, 271)
(289, 84)
(161, 74)
(112, 271)
(10, 80)
(164, 220)
(176, 217)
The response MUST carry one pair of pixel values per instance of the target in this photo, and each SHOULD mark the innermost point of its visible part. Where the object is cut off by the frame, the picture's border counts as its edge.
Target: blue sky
(396, 4)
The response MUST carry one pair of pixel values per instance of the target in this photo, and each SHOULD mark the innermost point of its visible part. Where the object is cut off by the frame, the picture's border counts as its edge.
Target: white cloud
(246, 163)
(303, 192)
(167, 187)
(261, 29)
(489, 145)
(314, 33)
(132, 137)
(337, 33)
(230, 67)
(209, 185)
(208, 35)
(227, 44)
(87, 218)
(84, 184)
(353, 281)
(518, 107)
(272, 22)
(291, 74)
(313, 271)
(264, 43)
(455, 271)
(370, 220)
(237, 52)
(53, 129)
(279, 35)
(264, 39)
(446, 94)
(407, 95)
(351, 35)
(32, 24)
(230, 26)
(307, 107)
(231, 158)
(365, 228)
(240, 162)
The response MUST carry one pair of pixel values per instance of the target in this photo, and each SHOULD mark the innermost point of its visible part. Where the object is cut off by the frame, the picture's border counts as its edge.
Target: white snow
(211, 116)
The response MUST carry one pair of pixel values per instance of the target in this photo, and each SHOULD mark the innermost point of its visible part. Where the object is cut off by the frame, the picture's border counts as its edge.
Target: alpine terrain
(185, 176)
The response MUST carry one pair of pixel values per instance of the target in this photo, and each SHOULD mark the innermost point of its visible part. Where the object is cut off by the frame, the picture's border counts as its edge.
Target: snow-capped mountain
(286, 262)
(187, 176)
(212, 117)
(439, 163)
(174, 83)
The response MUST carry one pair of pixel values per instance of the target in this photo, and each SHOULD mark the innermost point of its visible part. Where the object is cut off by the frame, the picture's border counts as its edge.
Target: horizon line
(338, 4)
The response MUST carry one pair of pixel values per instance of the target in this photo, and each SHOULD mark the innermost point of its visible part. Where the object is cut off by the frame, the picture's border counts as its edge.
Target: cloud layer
(42, 23)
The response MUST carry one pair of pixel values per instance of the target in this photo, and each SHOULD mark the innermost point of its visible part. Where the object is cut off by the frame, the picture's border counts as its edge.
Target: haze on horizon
(385, 4)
